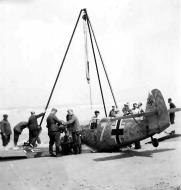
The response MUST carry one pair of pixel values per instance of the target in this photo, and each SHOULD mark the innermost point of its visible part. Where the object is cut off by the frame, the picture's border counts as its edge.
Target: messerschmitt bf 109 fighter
(114, 133)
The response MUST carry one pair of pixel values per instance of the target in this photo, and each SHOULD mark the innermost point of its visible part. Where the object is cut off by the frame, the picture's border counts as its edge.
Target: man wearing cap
(126, 110)
(140, 109)
(135, 109)
(18, 128)
(33, 128)
(5, 130)
(54, 126)
(172, 114)
(112, 113)
(74, 128)
(94, 120)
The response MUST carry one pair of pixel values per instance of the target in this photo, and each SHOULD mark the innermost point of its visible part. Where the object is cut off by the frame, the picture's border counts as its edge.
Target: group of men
(55, 127)
(137, 108)
(32, 125)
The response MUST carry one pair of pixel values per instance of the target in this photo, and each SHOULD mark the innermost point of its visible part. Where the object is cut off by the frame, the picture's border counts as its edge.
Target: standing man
(172, 114)
(140, 109)
(126, 110)
(5, 130)
(95, 120)
(74, 128)
(54, 128)
(18, 130)
(33, 128)
(113, 112)
(135, 109)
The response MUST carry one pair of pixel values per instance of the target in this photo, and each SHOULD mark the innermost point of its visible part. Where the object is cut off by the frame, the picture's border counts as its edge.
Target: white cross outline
(112, 136)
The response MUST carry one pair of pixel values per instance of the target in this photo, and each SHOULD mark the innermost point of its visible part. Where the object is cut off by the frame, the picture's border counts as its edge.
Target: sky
(139, 41)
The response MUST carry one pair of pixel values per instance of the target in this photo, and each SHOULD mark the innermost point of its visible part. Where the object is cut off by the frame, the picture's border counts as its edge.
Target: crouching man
(54, 126)
(18, 130)
(73, 127)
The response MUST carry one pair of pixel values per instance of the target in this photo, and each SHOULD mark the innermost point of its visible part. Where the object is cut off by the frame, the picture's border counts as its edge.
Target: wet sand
(145, 169)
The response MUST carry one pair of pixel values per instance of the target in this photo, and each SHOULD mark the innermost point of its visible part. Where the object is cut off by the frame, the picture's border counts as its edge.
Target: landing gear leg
(155, 142)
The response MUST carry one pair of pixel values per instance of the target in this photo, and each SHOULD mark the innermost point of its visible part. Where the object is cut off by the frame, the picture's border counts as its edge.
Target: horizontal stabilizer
(134, 115)
(174, 110)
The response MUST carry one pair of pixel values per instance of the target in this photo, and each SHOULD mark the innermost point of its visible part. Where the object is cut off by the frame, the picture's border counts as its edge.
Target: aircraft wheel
(137, 145)
(155, 142)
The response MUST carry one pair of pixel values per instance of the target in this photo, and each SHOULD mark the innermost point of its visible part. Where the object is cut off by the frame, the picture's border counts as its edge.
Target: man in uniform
(113, 112)
(126, 110)
(95, 120)
(5, 130)
(135, 109)
(73, 127)
(18, 130)
(33, 128)
(140, 109)
(172, 114)
(54, 128)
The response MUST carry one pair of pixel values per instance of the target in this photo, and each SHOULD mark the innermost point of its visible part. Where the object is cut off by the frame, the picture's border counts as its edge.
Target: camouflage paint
(136, 129)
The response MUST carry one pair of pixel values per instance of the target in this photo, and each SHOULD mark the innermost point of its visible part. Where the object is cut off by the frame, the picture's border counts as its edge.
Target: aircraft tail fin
(155, 102)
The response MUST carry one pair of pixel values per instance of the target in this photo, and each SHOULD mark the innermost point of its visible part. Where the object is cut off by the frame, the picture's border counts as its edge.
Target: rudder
(160, 120)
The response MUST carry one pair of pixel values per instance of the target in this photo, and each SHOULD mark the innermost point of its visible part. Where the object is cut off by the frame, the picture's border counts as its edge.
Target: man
(5, 130)
(18, 130)
(135, 109)
(73, 127)
(113, 112)
(95, 120)
(33, 128)
(54, 128)
(172, 114)
(126, 110)
(140, 109)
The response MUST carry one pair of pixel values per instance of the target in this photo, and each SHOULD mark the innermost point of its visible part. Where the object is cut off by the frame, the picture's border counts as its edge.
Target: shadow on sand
(38, 153)
(132, 153)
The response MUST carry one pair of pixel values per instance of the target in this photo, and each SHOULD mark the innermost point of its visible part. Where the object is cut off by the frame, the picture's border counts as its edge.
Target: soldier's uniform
(112, 113)
(73, 127)
(172, 115)
(18, 130)
(53, 125)
(5, 130)
(33, 128)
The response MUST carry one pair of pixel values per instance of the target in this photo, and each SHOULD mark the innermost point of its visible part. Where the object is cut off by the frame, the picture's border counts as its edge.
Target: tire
(155, 142)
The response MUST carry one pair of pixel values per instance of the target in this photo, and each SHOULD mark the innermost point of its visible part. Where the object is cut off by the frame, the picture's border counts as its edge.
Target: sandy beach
(146, 169)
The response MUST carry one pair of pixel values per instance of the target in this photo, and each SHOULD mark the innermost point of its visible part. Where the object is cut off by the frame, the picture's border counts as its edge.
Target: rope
(85, 29)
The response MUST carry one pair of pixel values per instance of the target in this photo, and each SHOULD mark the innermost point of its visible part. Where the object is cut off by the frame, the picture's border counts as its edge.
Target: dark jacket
(73, 123)
(5, 127)
(112, 113)
(32, 122)
(53, 123)
(20, 126)
(172, 105)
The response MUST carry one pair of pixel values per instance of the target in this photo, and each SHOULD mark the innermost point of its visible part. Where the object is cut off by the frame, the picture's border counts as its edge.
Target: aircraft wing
(174, 110)
(134, 115)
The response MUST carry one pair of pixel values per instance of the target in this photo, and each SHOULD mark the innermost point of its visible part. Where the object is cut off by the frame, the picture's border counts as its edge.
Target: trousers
(54, 137)
(33, 136)
(16, 137)
(5, 139)
(76, 142)
(172, 118)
